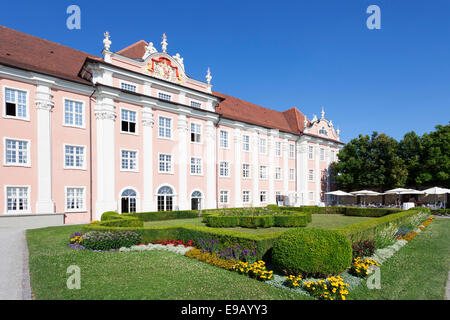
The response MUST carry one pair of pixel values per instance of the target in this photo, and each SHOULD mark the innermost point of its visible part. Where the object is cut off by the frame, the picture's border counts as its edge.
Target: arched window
(165, 198)
(196, 200)
(128, 201)
(165, 190)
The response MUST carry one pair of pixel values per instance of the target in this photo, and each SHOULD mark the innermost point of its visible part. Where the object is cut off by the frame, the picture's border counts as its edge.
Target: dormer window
(128, 87)
(322, 131)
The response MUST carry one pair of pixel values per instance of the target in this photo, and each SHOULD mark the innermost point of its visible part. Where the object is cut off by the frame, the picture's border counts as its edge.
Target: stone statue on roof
(179, 59)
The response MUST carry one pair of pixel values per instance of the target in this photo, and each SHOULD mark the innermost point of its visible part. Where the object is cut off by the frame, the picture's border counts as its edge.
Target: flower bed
(179, 249)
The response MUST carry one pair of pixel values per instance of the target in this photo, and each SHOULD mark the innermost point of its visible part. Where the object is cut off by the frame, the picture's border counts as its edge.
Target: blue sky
(281, 54)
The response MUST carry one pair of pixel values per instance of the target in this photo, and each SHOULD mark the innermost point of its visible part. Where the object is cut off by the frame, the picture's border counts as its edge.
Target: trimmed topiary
(110, 215)
(312, 252)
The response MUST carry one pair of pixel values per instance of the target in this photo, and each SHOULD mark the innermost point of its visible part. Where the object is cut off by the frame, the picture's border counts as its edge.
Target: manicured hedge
(110, 215)
(443, 212)
(287, 219)
(312, 252)
(366, 230)
(227, 238)
(369, 212)
(164, 215)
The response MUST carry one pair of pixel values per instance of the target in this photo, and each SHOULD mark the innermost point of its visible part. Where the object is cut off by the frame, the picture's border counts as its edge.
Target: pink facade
(135, 133)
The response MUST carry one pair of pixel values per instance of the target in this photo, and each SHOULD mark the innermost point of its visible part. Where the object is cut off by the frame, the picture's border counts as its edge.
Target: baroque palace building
(131, 131)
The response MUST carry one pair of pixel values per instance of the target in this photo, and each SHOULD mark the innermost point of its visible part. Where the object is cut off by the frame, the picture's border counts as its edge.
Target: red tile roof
(25, 51)
(134, 51)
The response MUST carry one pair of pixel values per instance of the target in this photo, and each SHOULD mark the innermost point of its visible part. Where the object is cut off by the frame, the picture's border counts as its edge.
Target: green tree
(410, 150)
(370, 162)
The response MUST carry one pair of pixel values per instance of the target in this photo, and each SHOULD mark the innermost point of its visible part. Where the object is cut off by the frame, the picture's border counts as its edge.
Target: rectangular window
(246, 143)
(311, 196)
(262, 146)
(333, 158)
(17, 199)
(73, 113)
(224, 139)
(164, 96)
(224, 196)
(291, 174)
(165, 128)
(16, 152)
(128, 87)
(129, 160)
(196, 132)
(311, 175)
(224, 169)
(322, 154)
(16, 103)
(277, 173)
(74, 157)
(310, 152)
(263, 172)
(196, 104)
(128, 121)
(165, 163)
(278, 149)
(75, 199)
(263, 196)
(196, 166)
(245, 170)
(246, 196)
(291, 151)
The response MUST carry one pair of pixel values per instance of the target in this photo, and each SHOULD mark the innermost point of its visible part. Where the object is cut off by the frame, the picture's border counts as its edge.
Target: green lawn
(418, 271)
(325, 221)
(133, 275)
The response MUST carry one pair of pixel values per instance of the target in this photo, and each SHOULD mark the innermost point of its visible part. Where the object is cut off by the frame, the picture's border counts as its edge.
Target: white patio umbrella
(339, 193)
(436, 191)
(365, 193)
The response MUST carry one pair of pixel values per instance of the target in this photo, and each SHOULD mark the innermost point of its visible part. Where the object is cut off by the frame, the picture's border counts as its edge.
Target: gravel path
(14, 272)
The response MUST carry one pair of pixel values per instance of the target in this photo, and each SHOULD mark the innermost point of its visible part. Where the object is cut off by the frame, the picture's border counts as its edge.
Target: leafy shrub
(312, 252)
(363, 248)
(110, 215)
(264, 219)
(369, 212)
(273, 207)
(164, 215)
(110, 240)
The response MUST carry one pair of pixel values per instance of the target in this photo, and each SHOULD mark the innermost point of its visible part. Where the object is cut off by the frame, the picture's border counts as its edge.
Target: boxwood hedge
(285, 219)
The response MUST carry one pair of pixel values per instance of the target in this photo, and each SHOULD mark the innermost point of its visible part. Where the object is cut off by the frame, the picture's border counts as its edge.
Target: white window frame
(261, 192)
(171, 163)
(83, 209)
(192, 102)
(311, 175)
(333, 155)
(137, 160)
(161, 94)
(27, 164)
(83, 167)
(249, 171)
(195, 164)
(83, 113)
(262, 146)
(291, 174)
(249, 196)
(136, 122)
(228, 169)
(246, 143)
(200, 134)
(222, 141)
(278, 173)
(311, 196)
(310, 153)
(291, 151)
(227, 194)
(261, 176)
(27, 105)
(126, 83)
(171, 128)
(28, 210)
(322, 154)
(278, 148)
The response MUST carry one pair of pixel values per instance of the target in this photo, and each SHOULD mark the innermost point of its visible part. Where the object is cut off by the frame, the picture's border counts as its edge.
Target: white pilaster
(237, 168)
(255, 168)
(271, 146)
(148, 201)
(302, 174)
(44, 106)
(285, 167)
(182, 162)
(211, 201)
(317, 180)
(105, 120)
